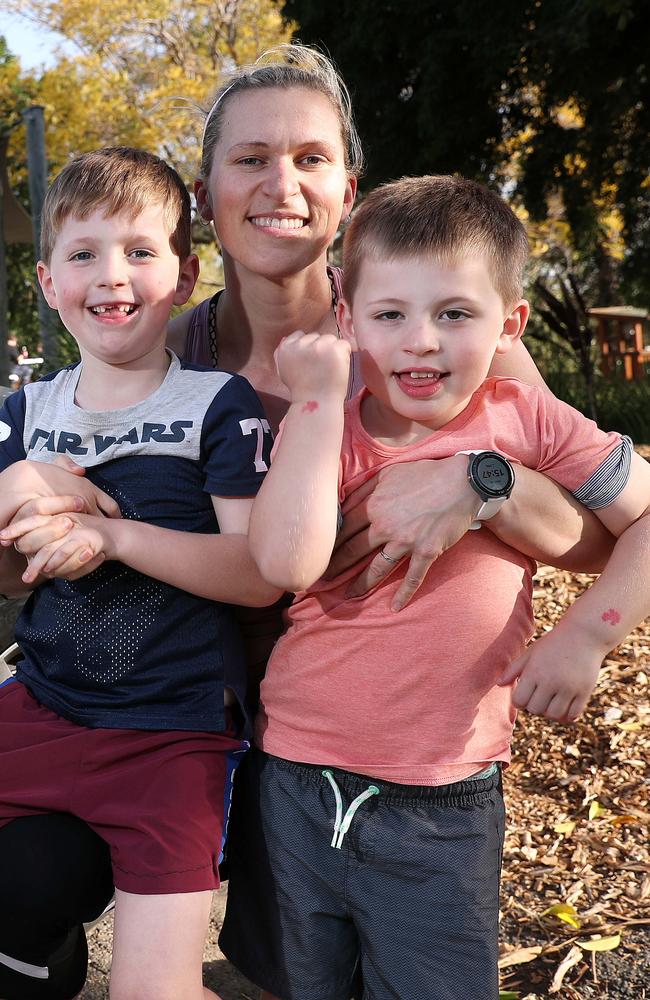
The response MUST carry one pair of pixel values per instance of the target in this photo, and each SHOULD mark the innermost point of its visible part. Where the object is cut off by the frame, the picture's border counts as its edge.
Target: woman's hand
(417, 508)
(44, 488)
(423, 508)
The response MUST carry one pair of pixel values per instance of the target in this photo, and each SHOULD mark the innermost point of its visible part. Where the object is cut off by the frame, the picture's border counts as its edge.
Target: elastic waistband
(354, 784)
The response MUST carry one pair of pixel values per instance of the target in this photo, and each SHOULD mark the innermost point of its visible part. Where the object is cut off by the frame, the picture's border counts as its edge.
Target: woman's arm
(517, 363)
(32, 489)
(426, 507)
(25, 484)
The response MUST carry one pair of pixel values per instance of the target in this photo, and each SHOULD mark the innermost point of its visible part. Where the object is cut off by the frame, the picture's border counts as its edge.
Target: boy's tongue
(417, 384)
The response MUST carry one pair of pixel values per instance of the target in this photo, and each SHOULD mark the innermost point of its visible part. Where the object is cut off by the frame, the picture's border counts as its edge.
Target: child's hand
(313, 365)
(69, 546)
(556, 674)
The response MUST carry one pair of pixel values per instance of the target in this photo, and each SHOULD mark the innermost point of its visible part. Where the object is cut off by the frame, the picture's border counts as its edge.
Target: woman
(279, 170)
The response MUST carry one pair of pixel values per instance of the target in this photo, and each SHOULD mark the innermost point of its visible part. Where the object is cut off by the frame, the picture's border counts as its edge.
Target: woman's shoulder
(188, 334)
(177, 331)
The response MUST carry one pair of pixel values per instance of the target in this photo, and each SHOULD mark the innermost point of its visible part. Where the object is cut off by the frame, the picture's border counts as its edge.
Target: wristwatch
(493, 478)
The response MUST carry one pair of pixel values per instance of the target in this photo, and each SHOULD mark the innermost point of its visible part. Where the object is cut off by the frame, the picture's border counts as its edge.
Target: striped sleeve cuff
(609, 479)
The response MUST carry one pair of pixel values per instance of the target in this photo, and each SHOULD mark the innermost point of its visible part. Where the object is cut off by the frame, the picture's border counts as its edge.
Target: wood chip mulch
(577, 832)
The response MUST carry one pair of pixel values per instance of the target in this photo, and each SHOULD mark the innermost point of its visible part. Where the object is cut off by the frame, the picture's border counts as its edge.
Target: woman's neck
(255, 313)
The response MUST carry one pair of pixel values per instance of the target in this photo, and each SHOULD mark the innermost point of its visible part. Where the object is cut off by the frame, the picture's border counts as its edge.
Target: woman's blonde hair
(286, 66)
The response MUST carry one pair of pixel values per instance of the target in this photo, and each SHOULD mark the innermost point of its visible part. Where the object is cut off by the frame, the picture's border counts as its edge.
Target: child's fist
(313, 365)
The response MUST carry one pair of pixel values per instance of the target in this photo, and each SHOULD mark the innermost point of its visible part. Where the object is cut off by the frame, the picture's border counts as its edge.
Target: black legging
(55, 875)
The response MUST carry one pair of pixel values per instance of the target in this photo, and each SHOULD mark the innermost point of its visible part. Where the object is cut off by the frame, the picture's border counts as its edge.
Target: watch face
(493, 474)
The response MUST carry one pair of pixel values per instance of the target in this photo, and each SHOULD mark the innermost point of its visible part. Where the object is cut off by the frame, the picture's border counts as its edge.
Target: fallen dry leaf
(568, 962)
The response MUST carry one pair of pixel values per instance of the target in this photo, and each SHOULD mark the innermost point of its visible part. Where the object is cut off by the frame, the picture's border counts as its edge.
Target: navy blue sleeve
(12, 422)
(236, 441)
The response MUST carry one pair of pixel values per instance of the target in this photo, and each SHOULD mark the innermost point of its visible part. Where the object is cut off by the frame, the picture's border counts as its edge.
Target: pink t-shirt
(411, 697)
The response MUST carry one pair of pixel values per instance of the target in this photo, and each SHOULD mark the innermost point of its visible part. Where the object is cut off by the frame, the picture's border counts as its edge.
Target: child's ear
(187, 275)
(513, 326)
(344, 322)
(45, 281)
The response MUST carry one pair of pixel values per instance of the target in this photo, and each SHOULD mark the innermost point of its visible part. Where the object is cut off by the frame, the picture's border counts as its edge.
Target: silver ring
(389, 559)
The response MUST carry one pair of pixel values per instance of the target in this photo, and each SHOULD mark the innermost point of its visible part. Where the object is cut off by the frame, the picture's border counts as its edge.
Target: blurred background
(546, 101)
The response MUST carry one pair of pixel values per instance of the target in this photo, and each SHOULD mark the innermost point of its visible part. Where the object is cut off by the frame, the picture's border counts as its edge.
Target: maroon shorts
(159, 799)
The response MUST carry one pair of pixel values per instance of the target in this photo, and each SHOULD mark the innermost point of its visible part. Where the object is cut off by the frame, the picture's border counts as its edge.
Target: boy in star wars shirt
(126, 709)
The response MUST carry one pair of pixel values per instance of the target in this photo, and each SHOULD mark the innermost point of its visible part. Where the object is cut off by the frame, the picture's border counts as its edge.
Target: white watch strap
(487, 510)
(489, 507)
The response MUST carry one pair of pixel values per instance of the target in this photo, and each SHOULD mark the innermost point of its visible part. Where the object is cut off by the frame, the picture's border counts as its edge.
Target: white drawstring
(342, 825)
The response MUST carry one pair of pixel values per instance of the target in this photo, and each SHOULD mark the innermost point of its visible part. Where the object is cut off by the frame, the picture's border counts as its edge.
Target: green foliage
(622, 406)
(552, 98)
(134, 60)
(21, 295)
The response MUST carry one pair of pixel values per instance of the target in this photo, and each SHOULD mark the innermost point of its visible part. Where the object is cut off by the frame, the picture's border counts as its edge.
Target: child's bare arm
(293, 524)
(216, 566)
(558, 672)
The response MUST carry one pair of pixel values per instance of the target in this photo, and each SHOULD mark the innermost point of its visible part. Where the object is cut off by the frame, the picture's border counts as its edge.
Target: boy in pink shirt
(373, 814)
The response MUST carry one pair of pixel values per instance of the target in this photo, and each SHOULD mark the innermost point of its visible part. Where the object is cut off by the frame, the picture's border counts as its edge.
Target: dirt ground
(577, 841)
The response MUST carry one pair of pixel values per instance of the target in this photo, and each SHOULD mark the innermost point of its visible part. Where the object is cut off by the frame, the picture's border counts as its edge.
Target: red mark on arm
(310, 406)
(612, 616)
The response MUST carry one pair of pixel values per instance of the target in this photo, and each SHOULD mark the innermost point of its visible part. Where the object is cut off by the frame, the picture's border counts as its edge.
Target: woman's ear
(348, 199)
(344, 322)
(513, 326)
(203, 204)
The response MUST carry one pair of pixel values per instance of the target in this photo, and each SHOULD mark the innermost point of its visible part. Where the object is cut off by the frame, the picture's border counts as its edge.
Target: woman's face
(278, 188)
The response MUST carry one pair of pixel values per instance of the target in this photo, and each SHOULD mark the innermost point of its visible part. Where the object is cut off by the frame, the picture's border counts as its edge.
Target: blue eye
(249, 161)
(141, 254)
(389, 314)
(81, 255)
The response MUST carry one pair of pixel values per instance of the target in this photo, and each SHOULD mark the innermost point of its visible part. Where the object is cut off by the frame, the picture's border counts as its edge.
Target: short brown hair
(446, 217)
(117, 179)
(286, 66)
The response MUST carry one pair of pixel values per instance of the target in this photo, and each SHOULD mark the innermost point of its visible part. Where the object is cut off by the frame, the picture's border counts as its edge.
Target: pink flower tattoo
(612, 616)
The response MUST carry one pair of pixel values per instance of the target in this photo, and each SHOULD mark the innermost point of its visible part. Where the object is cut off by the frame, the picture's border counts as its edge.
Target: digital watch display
(493, 478)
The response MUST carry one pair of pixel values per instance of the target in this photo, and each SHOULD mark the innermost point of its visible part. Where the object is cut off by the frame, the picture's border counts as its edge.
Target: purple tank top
(197, 342)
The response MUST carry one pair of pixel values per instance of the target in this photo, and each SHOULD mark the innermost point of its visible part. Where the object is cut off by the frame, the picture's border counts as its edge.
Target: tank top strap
(197, 342)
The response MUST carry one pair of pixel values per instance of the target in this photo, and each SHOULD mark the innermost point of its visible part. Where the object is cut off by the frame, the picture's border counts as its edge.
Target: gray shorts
(407, 906)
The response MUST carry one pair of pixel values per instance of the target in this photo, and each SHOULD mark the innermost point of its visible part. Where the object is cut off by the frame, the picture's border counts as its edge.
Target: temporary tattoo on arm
(612, 616)
(310, 406)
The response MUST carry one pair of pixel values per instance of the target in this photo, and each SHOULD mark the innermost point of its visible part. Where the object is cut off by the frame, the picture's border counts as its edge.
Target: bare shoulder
(177, 330)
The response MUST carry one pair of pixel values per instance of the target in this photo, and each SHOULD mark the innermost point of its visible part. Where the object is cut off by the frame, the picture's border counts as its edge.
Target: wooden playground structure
(623, 334)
